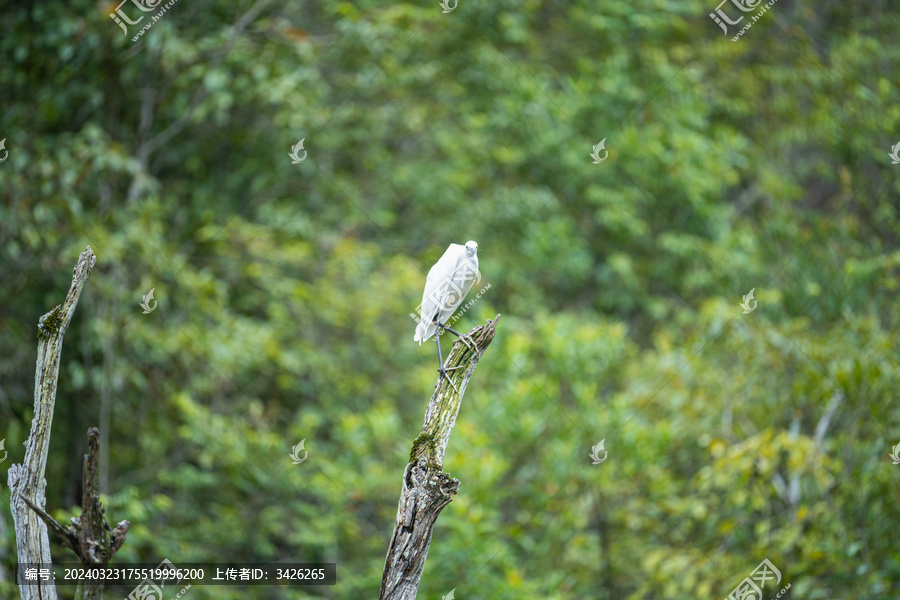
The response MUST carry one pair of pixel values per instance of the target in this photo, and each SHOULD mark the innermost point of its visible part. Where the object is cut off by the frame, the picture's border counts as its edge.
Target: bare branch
(65, 537)
(426, 488)
(26, 481)
(89, 536)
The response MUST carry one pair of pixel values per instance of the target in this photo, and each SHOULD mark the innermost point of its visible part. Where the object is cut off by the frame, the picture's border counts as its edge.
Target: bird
(446, 286)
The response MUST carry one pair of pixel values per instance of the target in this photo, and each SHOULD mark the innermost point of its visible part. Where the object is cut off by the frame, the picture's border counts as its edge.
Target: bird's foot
(468, 341)
(445, 375)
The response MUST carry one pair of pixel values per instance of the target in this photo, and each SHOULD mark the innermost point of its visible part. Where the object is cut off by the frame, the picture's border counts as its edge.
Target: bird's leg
(441, 369)
(465, 337)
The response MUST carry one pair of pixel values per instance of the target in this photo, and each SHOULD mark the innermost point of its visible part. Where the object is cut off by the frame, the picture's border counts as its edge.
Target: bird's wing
(424, 330)
(436, 282)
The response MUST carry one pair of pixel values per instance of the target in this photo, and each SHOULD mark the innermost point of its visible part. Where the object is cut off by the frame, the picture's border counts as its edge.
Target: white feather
(446, 286)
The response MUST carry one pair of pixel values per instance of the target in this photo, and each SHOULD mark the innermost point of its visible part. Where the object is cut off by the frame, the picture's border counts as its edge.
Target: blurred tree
(284, 290)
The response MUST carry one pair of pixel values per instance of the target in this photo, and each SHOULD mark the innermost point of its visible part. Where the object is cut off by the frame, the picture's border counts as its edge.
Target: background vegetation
(284, 291)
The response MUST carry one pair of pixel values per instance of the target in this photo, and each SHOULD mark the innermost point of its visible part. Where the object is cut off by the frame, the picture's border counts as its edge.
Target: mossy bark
(426, 489)
(26, 481)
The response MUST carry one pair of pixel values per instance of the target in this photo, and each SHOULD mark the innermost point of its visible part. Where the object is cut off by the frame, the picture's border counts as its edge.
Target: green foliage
(284, 291)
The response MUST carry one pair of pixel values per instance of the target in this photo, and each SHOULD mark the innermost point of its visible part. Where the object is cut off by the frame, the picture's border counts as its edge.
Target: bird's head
(471, 248)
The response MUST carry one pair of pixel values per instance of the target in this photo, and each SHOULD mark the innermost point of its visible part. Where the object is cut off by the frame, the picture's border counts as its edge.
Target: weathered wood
(89, 536)
(426, 488)
(27, 479)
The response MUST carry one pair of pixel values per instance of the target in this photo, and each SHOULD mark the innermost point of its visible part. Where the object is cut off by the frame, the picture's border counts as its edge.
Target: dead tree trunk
(26, 481)
(426, 488)
(89, 536)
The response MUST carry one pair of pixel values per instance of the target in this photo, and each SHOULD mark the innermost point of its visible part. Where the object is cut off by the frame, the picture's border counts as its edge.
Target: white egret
(446, 286)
